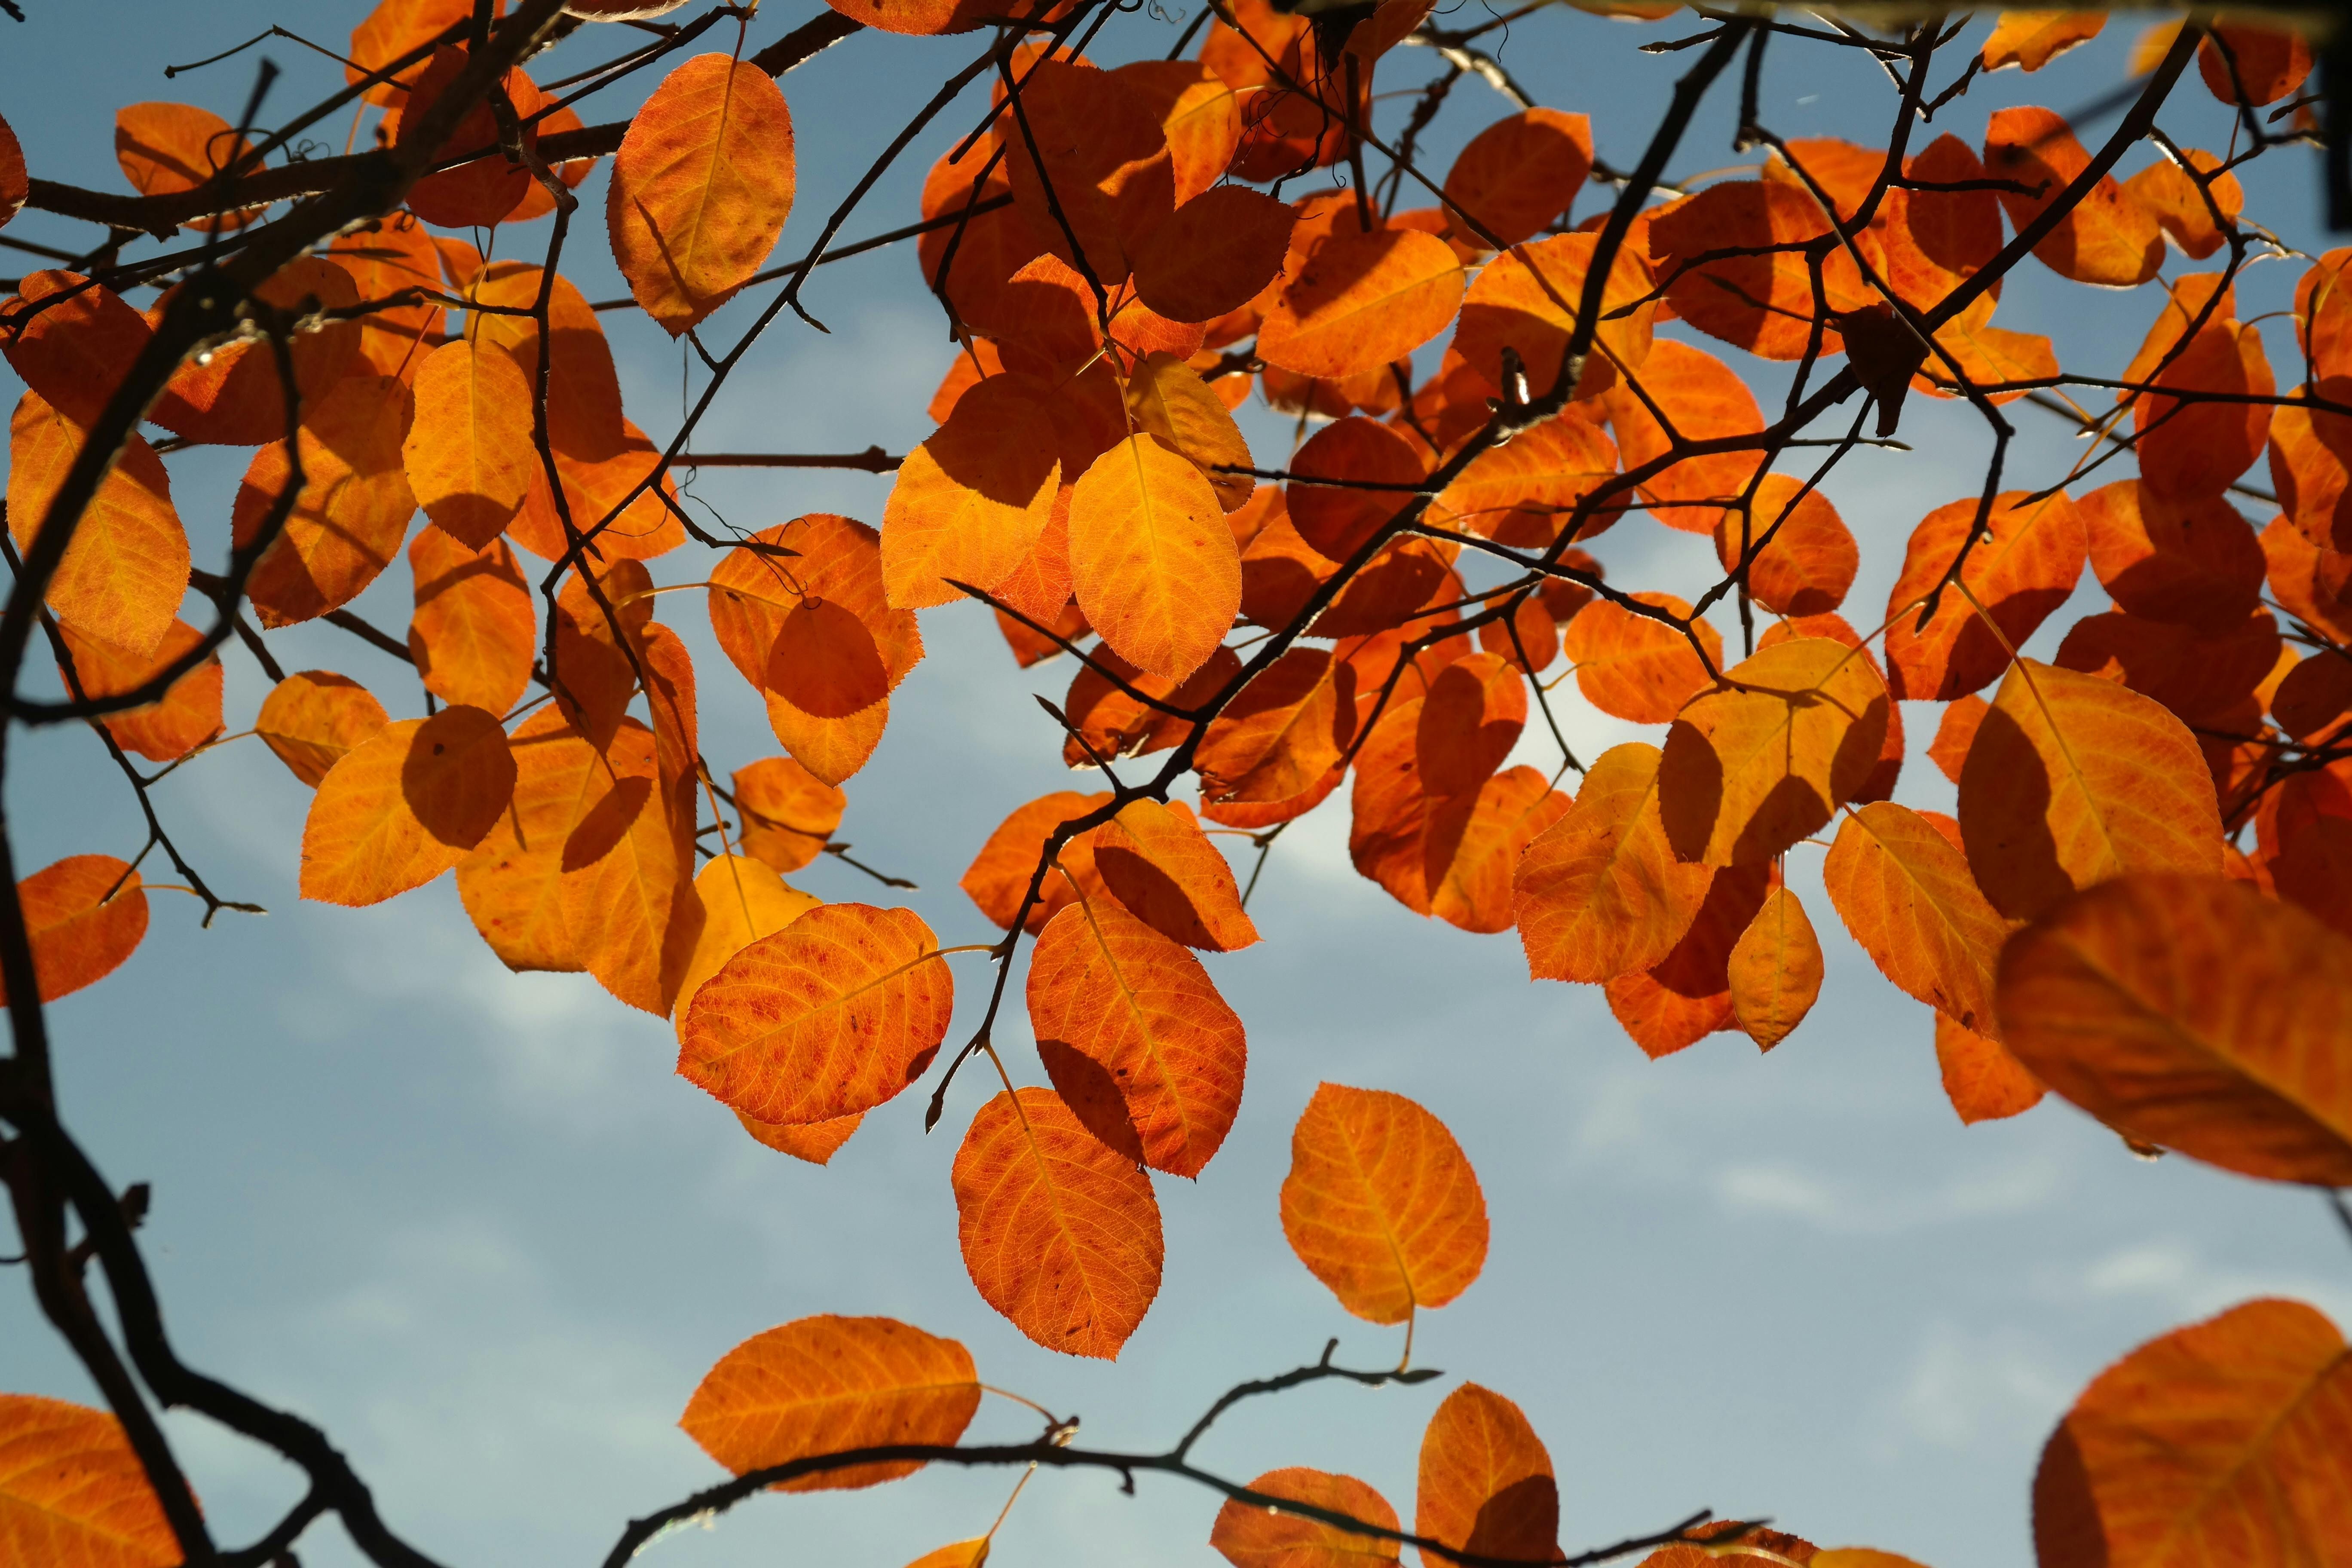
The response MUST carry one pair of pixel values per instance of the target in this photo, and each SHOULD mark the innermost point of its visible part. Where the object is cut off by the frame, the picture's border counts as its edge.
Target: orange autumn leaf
(1200, 116)
(2223, 1441)
(828, 693)
(83, 916)
(2190, 448)
(1706, 400)
(1154, 566)
(1058, 1233)
(1373, 468)
(2109, 239)
(2183, 209)
(190, 711)
(1775, 970)
(1764, 302)
(1638, 666)
(1468, 723)
(73, 1491)
(405, 805)
(468, 455)
(1381, 1204)
(1283, 731)
(700, 189)
(1254, 1537)
(16, 185)
(391, 29)
(2071, 780)
(1106, 160)
(232, 395)
(126, 567)
(970, 501)
(1526, 491)
(1110, 988)
(2032, 40)
(474, 635)
(972, 1553)
(823, 1385)
(1803, 557)
(1219, 250)
(2193, 1013)
(1486, 1481)
(815, 1141)
(2190, 560)
(999, 876)
(755, 586)
(585, 421)
(2021, 571)
(75, 347)
(484, 189)
(788, 813)
(1167, 398)
(512, 884)
(346, 524)
(1955, 732)
(1472, 842)
(167, 148)
(311, 719)
(2246, 64)
(1527, 299)
(1521, 173)
(1982, 1078)
(1155, 860)
(1766, 758)
(834, 1015)
(1601, 892)
(1361, 302)
(1686, 995)
(742, 900)
(1903, 892)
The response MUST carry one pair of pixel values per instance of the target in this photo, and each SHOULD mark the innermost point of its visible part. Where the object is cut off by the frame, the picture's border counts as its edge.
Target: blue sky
(473, 1224)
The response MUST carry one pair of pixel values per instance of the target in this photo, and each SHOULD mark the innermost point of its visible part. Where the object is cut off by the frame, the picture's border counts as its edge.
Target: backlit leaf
(2194, 561)
(2190, 450)
(405, 805)
(468, 455)
(1763, 303)
(1059, 1234)
(75, 349)
(1361, 302)
(1156, 860)
(1601, 892)
(2108, 239)
(1111, 988)
(126, 569)
(1337, 519)
(1252, 1537)
(347, 524)
(1775, 970)
(630, 911)
(1381, 1204)
(1981, 1079)
(1283, 732)
(970, 501)
(1522, 172)
(512, 884)
(1165, 398)
(1808, 557)
(1637, 667)
(474, 632)
(167, 148)
(1707, 401)
(2229, 1440)
(2032, 40)
(2021, 571)
(700, 189)
(742, 900)
(1105, 156)
(83, 916)
(1485, 1482)
(788, 813)
(824, 1384)
(999, 876)
(1527, 298)
(828, 693)
(1218, 252)
(164, 731)
(2263, 64)
(1472, 842)
(1903, 892)
(73, 1492)
(1154, 566)
(2194, 1014)
(311, 719)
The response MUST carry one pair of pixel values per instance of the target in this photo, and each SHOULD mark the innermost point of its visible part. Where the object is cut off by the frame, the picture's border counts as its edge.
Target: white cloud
(1846, 1208)
(1975, 1389)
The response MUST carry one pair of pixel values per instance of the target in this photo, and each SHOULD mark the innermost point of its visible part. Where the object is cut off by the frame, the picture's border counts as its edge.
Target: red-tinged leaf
(1388, 809)
(1601, 892)
(1381, 1204)
(1218, 252)
(2001, 364)
(585, 423)
(347, 523)
(2311, 465)
(2193, 1013)
(701, 186)
(1521, 172)
(75, 341)
(1105, 157)
(2032, 40)
(2224, 1441)
(1775, 970)
(1687, 996)
(2021, 571)
(1635, 667)
(1486, 1481)
(1361, 302)
(1803, 557)
(405, 805)
(828, 693)
(167, 148)
(2208, 681)
(1167, 398)
(788, 814)
(1955, 732)
(834, 1015)
(2312, 584)
(1155, 568)
(825, 1385)
(2192, 450)
(1903, 892)
(1253, 1537)
(2073, 780)
(126, 569)
(999, 876)
(2195, 561)
(1155, 860)
(1283, 733)
(1110, 988)
(83, 916)
(2109, 239)
(2243, 64)
(1526, 300)
(483, 189)
(1059, 1234)
(1707, 401)
(1471, 843)
(16, 185)
(1200, 116)
(2183, 209)
(2323, 315)
(1766, 757)
(817, 1141)
(512, 884)
(1468, 723)
(599, 491)
(630, 910)
(833, 558)
(1763, 303)
(1339, 519)
(311, 719)
(164, 731)
(73, 1491)
(1981, 1079)
(474, 632)
(970, 502)
(1844, 171)
(393, 29)
(468, 455)
(1113, 719)
(1528, 637)
(1526, 491)
(2314, 701)
(742, 900)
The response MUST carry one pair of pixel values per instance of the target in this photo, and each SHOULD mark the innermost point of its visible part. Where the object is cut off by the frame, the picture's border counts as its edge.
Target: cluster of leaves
(2092, 920)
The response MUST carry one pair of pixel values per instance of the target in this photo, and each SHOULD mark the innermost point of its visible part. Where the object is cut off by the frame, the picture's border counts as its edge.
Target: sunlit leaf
(1381, 1204)
(1601, 892)
(72, 1491)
